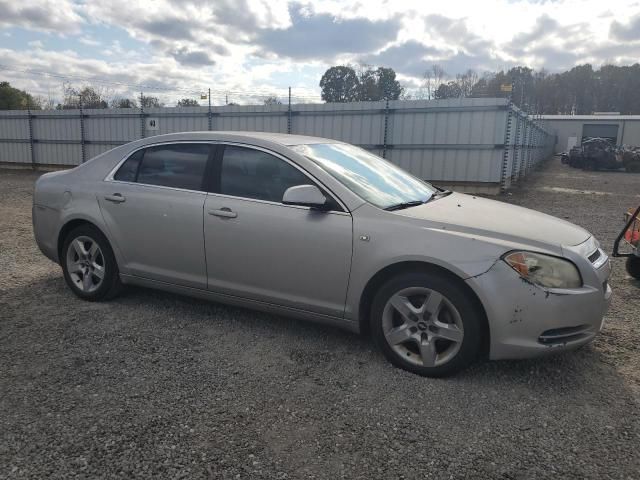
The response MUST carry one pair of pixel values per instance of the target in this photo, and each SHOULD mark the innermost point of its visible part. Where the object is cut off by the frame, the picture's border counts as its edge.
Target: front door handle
(223, 212)
(115, 198)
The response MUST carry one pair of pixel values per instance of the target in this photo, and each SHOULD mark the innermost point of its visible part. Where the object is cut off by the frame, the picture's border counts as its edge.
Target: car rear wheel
(633, 267)
(89, 265)
(427, 324)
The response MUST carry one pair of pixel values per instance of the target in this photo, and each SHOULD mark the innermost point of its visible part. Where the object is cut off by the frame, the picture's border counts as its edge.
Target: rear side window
(127, 172)
(177, 166)
(258, 175)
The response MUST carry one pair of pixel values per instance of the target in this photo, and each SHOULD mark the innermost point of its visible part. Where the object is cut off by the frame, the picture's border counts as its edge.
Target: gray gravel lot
(153, 384)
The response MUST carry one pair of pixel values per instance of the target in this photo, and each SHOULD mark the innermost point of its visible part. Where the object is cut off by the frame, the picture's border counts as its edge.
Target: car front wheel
(89, 265)
(427, 324)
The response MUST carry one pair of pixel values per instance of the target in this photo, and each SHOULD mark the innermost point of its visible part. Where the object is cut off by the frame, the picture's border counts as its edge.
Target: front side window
(177, 166)
(256, 174)
(370, 177)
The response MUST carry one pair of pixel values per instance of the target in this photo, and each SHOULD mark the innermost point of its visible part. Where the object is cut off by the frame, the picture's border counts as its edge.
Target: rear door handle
(223, 212)
(115, 198)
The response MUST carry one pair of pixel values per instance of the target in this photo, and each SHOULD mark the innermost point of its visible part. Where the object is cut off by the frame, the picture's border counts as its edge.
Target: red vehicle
(631, 235)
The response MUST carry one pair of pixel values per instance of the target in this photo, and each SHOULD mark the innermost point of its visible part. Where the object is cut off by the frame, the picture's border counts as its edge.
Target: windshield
(368, 176)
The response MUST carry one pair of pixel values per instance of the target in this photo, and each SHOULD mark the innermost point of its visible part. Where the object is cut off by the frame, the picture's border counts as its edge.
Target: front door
(259, 248)
(153, 209)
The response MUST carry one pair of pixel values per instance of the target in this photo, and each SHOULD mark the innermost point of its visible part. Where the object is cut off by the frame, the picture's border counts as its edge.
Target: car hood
(490, 218)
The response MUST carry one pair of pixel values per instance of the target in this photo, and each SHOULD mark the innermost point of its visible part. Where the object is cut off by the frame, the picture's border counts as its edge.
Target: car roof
(279, 138)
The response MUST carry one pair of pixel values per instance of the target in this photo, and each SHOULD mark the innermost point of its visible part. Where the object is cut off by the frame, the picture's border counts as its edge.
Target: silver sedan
(325, 231)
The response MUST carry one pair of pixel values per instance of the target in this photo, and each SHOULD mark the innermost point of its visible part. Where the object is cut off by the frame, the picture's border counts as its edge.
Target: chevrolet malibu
(325, 231)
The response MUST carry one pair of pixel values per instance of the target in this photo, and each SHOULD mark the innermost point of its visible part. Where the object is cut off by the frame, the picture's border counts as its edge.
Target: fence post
(82, 146)
(517, 153)
(32, 152)
(525, 146)
(507, 146)
(142, 123)
(289, 113)
(386, 129)
(209, 113)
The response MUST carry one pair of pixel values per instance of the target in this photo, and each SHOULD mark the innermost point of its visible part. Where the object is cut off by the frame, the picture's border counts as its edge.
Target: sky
(176, 49)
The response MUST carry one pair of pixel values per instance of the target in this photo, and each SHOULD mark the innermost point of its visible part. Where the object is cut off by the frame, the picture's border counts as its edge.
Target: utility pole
(289, 113)
(142, 126)
(82, 142)
(209, 114)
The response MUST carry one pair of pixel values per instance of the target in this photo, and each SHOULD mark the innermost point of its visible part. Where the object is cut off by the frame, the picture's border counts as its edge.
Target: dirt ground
(152, 384)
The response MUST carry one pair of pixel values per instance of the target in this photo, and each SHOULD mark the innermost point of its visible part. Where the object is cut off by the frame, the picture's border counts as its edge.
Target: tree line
(91, 97)
(581, 90)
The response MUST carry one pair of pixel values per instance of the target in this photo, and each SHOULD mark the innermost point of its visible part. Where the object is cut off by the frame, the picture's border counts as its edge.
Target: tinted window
(127, 172)
(254, 174)
(178, 166)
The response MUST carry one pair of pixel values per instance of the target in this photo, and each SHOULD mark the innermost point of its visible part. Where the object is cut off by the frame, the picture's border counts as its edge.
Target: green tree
(188, 102)
(340, 84)
(92, 98)
(368, 88)
(448, 90)
(388, 86)
(344, 84)
(14, 99)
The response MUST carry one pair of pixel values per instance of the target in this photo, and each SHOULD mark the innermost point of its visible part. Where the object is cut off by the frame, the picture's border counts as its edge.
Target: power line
(193, 91)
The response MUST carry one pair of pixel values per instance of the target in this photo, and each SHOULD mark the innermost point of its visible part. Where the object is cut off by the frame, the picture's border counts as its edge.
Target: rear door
(261, 249)
(153, 207)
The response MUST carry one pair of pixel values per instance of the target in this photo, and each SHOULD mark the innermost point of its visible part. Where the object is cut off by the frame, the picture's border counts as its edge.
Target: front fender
(381, 240)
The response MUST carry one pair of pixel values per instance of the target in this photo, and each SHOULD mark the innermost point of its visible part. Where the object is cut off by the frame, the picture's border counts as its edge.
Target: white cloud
(89, 41)
(58, 16)
(257, 45)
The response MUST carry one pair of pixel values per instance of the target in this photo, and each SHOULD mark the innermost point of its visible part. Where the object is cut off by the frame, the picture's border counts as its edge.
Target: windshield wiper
(415, 203)
(400, 206)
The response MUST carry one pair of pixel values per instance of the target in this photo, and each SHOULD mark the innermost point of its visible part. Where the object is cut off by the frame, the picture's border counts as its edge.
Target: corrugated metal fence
(483, 143)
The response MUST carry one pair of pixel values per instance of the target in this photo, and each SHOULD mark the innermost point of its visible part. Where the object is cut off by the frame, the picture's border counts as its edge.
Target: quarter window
(177, 166)
(129, 169)
(255, 174)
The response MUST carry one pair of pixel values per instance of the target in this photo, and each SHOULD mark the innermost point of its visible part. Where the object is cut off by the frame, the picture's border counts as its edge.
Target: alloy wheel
(85, 264)
(422, 326)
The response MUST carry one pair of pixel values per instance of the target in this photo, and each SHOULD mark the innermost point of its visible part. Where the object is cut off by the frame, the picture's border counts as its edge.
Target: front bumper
(527, 320)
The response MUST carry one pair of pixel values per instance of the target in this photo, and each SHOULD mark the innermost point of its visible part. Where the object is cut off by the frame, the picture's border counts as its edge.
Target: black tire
(589, 165)
(633, 267)
(455, 295)
(110, 285)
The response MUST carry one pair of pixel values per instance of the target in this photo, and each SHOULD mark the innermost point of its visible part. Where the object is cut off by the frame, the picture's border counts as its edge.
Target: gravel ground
(153, 384)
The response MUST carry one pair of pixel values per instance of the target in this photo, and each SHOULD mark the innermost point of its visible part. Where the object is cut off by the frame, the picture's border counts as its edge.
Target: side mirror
(305, 195)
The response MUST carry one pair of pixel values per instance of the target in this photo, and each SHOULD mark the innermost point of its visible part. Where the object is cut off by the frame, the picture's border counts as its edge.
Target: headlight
(544, 270)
